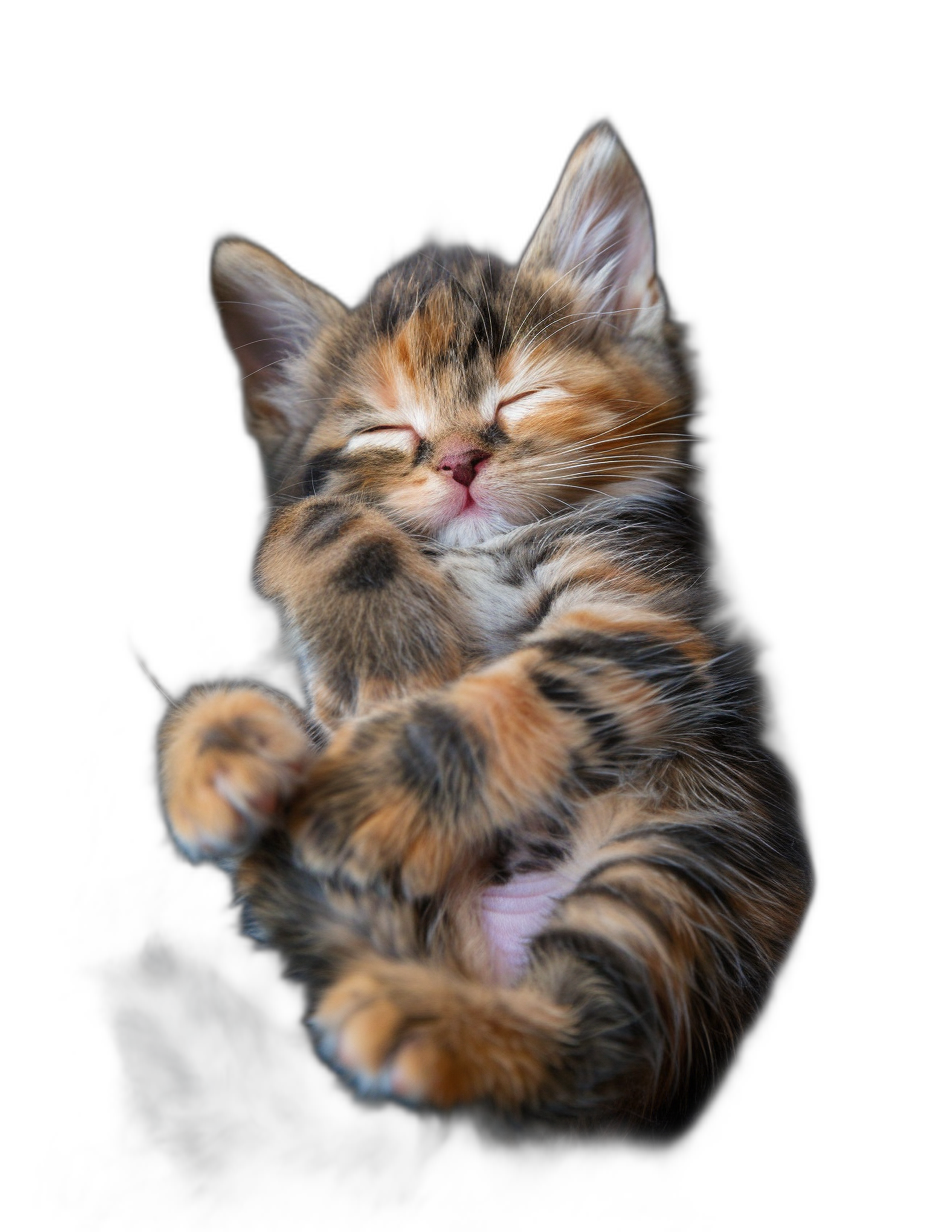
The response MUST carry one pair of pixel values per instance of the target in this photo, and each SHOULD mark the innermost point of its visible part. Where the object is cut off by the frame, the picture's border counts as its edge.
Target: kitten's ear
(597, 234)
(269, 314)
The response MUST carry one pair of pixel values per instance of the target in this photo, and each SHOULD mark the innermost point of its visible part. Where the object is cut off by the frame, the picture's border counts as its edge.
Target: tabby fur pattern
(524, 845)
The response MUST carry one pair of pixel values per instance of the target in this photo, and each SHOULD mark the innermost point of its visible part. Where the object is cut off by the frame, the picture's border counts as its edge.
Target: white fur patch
(404, 439)
(520, 406)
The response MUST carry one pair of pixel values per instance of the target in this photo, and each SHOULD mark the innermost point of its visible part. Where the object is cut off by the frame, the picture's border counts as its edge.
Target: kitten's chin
(454, 527)
(470, 528)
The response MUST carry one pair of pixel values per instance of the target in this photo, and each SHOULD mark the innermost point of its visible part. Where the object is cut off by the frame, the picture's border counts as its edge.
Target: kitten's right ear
(270, 314)
(597, 233)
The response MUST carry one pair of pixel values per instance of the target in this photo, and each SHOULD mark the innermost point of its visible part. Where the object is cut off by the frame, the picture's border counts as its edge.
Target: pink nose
(462, 464)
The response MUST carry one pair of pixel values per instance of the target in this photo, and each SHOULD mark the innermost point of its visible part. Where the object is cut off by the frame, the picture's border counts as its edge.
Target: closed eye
(529, 393)
(387, 428)
(385, 436)
(518, 405)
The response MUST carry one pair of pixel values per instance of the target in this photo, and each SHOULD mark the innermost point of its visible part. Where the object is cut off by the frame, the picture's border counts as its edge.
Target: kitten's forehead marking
(422, 385)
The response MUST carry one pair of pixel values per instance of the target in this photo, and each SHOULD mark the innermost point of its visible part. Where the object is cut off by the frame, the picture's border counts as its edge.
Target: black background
(338, 184)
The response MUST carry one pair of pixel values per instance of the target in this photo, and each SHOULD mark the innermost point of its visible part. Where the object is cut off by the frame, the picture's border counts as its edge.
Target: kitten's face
(465, 396)
(463, 421)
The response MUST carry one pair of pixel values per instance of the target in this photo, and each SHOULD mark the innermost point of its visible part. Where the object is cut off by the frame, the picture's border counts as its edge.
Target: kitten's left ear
(270, 315)
(598, 235)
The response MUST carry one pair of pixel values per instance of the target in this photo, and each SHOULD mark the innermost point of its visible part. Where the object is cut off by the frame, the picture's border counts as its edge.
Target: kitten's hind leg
(230, 757)
(428, 1036)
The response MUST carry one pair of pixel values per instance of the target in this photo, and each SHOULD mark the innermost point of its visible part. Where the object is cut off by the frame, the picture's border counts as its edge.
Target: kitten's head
(466, 396)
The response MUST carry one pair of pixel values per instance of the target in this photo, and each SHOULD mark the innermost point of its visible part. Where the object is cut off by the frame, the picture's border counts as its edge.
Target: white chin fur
(466, 530)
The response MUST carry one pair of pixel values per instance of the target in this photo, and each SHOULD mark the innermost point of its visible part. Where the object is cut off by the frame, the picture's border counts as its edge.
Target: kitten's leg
(230, 758)
(508, 749)
(570, 1043)
(373, 615)
(427, 1035)
(635, 992)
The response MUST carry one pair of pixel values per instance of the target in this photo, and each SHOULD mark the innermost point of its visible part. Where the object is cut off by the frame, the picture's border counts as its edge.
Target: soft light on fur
(524, 847)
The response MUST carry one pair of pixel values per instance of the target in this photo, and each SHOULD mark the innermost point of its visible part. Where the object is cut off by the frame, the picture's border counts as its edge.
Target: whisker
(581, 317)
(619, 436)
(625, 443)
(598, 460)
(515, 283)
(254, 341)
(153, 679)
(264, 367)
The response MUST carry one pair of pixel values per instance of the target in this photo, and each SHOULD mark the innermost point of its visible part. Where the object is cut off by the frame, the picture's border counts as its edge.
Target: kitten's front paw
(230, 760)
(396, 797)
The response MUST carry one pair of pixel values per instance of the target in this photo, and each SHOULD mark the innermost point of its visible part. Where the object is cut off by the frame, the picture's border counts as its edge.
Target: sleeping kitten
(524, 846)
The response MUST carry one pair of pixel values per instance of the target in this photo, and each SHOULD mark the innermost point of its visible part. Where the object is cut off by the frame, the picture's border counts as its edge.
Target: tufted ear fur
(597, 233)
(270, 315)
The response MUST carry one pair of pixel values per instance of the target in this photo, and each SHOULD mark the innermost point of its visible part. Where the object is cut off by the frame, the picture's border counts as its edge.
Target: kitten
(524, 847)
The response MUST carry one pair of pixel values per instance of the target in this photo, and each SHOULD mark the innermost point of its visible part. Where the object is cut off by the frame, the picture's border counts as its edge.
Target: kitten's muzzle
(462, 465)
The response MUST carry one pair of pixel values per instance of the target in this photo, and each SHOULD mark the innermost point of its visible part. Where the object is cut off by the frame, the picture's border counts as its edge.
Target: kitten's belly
(513, 913)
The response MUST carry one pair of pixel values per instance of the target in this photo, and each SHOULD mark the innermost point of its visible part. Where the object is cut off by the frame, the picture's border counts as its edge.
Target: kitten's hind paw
(231, 757)
(427, 1037)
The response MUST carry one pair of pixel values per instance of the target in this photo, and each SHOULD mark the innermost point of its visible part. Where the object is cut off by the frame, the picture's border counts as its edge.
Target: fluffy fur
(524, 846)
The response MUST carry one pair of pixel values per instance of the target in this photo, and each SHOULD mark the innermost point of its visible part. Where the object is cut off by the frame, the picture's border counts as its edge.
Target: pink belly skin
(513, 913)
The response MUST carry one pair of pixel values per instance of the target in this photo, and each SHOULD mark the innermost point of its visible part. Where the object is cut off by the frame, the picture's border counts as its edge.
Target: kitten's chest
(501, 606)
(510, 587)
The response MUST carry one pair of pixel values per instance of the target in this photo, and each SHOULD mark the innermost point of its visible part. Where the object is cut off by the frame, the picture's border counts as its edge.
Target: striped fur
(524, 846)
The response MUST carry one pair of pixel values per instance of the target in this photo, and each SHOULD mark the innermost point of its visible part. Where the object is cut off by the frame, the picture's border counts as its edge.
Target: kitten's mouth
(463, 501)
(469, 509)
(465, 516)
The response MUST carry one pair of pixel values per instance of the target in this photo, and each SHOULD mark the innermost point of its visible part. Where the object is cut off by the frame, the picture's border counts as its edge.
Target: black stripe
(441, 759)
(424, 451)
(493, 436)
(324, 521)
(339, 677)
(607, 733)
(626, 897)
(641, 653)
(318, 469)
(372, 565)
(537, 613)
(621, 968)
(559, 692)
(704, 887)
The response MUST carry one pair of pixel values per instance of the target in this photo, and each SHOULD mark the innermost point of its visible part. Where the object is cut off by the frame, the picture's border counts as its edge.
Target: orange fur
(535, 854)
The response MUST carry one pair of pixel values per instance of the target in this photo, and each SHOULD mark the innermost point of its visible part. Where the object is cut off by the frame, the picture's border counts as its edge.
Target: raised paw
(396, 798)
(427, 788)
(427, 1037)
(230, 760)
(379, 619)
